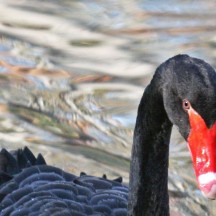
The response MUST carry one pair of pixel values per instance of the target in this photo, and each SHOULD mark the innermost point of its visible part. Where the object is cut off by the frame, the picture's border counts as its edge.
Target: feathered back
(30, 187)
(11, 163)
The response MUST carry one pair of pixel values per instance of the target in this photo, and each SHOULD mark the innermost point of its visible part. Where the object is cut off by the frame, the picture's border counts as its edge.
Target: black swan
(182, 92)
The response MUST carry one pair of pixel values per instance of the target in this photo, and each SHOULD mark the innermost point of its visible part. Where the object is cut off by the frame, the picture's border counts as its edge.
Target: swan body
(45, 190)
(182, 92)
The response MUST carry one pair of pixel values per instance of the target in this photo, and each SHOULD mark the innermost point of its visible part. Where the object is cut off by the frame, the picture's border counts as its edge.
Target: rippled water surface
(72, 74)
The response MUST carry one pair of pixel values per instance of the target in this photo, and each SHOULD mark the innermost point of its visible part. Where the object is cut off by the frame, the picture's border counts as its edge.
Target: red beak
(202, 145)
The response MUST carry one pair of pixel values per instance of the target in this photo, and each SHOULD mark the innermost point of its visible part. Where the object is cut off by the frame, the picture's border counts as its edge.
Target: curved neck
(148, 192)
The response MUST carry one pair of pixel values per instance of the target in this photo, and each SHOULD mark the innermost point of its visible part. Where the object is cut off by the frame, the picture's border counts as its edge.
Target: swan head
(190, 102)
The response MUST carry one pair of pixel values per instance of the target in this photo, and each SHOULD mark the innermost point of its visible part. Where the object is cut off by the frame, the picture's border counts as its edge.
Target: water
(72, 74)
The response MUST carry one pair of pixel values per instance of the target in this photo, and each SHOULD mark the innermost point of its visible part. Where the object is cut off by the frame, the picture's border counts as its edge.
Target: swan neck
(148, 192)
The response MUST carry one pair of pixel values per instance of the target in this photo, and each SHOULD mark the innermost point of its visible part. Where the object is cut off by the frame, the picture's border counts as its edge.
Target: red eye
(186, 104)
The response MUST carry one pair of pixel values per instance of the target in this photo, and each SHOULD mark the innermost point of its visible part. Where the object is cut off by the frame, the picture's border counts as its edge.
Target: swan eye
(186, 104)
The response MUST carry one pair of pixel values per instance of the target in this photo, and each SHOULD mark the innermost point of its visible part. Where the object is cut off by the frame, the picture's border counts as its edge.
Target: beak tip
(211, 194)
(207, 184)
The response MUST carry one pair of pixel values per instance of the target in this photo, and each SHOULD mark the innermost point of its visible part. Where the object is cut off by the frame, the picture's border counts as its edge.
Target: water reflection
(72, 73)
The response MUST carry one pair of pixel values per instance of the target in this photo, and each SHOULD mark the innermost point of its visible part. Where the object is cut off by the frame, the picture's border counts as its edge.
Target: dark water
(72, 74)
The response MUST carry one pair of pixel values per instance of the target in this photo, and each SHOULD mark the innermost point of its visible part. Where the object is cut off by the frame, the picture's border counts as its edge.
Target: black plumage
(34, 188)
